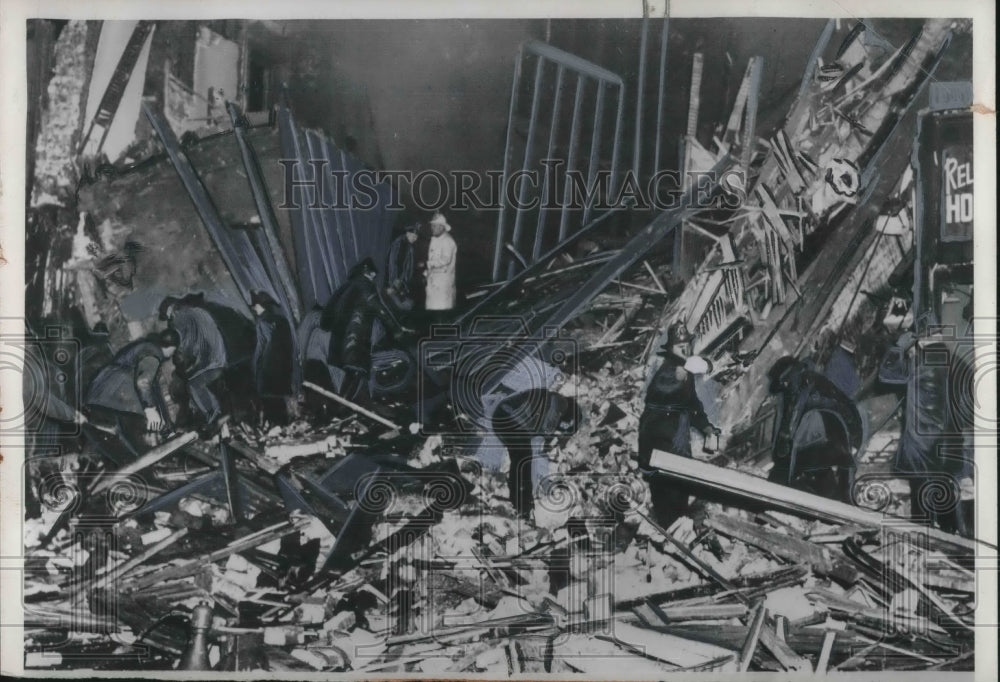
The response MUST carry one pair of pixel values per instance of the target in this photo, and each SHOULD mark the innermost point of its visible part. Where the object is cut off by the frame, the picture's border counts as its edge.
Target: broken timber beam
(150, 458)
(194, 566)
(824, 656)
(786, 656)
(796, 501)
(783, 546)
(753, 637)
(354, 406)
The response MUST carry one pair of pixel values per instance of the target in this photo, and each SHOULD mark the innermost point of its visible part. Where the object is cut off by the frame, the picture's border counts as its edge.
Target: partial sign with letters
(956, 193)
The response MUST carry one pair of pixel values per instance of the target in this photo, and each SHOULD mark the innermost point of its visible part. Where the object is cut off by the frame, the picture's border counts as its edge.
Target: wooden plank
(824, 655)
(753, 637)
(110, 575)
(195, 565)
(774, 218)
(674, 614)
(354, 406)
(656, 280)
(772, 494)
(150, 458)
(780, 545)
(679, 548)
(784, 654)
(695, 101)
(807, 641)
(667, 648)
(736, 115)
(603, 660)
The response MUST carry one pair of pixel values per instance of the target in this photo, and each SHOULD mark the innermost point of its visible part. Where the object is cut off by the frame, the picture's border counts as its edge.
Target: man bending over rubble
(818, 432)
(204, 355)
(672, 409)
(127, 393)
(523, 422)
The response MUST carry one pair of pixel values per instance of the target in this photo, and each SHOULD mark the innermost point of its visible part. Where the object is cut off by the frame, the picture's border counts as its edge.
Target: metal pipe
(573, 62)
(574, 135)
(498, 245)
(619, 117)
(637, 151)
(335, 217)
(595, 144)
(312, 238)
(534, 269)
(659, 97)
(553, 130)
(817, 52)
(528, 148)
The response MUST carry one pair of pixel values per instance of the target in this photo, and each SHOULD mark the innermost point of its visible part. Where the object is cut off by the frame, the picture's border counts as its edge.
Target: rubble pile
(446, 579)
(355, 541)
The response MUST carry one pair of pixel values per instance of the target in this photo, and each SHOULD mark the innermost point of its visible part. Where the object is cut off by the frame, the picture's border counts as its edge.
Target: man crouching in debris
(672, 409)
(818, 432)
(126, 393)
(202, 357)
(524, 422)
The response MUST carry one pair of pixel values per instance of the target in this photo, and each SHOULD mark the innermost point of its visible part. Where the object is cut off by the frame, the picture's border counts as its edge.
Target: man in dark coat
(400, 268)
(202, 355)
(234, 327)
(349, 316)
(935, 446)
(672, 409)
(127, 392)
(274, 357)
(523, 422)
(818, 432)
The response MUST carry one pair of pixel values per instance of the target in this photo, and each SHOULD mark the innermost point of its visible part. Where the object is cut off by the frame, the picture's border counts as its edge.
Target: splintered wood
(336, 547)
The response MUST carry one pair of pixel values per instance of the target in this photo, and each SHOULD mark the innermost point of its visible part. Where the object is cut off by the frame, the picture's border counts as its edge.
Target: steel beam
(265, 210)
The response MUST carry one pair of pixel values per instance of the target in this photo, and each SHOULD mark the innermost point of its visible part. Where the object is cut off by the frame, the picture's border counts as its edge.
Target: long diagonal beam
(268, 220)
(206, 209)
(543, 328)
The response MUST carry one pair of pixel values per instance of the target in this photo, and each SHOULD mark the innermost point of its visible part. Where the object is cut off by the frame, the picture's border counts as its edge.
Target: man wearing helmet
(672, 409)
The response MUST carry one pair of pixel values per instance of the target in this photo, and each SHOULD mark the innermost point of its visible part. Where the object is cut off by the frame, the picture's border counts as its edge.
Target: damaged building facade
(752, 254)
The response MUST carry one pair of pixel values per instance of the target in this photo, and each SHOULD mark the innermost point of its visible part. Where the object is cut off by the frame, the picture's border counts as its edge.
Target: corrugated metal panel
(332, 238)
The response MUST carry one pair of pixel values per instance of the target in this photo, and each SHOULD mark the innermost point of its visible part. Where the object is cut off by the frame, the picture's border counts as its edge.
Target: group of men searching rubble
(819, 431)
(217, 351)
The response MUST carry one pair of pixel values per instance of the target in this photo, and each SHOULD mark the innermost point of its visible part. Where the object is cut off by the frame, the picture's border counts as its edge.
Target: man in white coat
(440, 270)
